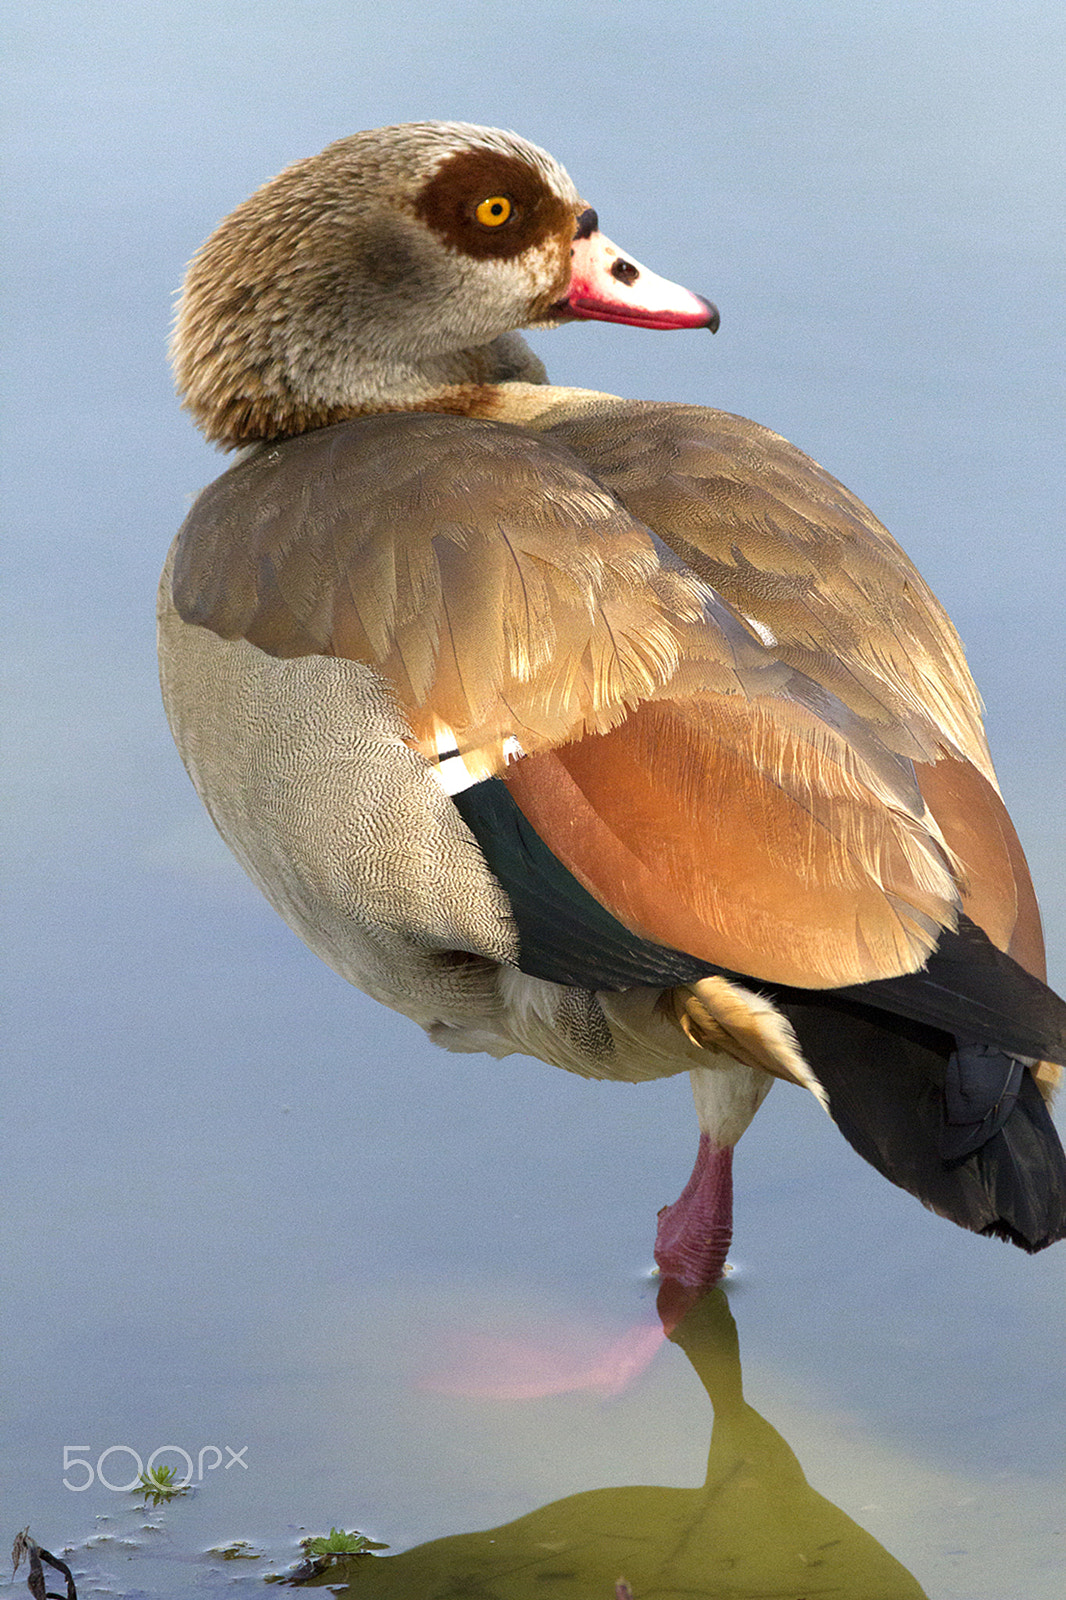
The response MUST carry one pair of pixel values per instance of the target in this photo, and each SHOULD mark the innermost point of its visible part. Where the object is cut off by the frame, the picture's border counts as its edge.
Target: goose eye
(495, 211)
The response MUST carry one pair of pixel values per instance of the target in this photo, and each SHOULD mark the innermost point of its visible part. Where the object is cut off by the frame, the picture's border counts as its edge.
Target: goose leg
(694, 1234)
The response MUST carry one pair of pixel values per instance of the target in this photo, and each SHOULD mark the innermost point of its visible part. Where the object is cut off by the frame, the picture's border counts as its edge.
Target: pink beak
(607, 286)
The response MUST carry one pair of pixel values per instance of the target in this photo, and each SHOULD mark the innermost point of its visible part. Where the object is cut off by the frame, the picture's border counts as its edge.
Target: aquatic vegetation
(159, 1486)
(340, 1543)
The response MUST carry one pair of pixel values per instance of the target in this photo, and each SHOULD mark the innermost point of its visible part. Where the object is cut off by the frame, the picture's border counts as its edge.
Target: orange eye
(495, 211)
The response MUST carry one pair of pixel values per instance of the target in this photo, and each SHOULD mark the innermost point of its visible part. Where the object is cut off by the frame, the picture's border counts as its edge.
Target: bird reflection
(756, 1529)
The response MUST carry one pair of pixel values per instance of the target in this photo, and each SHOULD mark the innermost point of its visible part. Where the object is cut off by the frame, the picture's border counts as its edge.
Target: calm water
(250, 1215)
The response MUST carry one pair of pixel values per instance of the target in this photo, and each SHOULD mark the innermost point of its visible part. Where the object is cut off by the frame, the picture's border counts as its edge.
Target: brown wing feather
(501, 591)
(784, 542)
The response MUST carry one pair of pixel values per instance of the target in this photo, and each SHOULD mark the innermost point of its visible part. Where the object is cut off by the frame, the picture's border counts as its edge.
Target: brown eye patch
(449, 203)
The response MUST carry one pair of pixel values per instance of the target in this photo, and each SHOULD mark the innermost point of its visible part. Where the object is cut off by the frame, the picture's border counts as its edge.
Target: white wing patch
(449, 764)
(767, 635)
(449, 768)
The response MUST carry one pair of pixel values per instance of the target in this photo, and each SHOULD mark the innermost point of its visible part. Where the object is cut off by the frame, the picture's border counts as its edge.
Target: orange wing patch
(746, 834)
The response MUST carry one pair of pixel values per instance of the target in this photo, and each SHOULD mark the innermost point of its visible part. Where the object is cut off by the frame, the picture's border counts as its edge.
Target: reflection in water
(756, 1529)
(486, 1366)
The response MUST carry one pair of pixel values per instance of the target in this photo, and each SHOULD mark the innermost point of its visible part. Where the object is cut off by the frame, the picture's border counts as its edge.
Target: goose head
(390, 272)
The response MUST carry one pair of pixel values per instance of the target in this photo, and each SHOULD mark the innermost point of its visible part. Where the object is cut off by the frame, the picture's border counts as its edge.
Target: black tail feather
(980, 1093)
(968, 984)
(887, 1083)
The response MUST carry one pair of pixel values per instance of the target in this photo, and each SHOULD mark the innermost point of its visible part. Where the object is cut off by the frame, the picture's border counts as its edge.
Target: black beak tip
(714, 321)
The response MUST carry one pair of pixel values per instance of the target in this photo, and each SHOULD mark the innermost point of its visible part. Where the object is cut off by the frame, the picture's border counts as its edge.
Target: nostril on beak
(587, 224)
(624, 271)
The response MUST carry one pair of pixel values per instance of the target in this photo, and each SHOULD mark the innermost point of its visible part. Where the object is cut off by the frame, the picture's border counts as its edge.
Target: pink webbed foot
(694, 1233)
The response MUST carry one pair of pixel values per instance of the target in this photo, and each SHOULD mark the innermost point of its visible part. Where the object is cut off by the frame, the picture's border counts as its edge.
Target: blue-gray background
(238, 1195)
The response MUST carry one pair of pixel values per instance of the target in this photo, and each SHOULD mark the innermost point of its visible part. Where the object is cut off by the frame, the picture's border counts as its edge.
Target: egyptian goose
(612, 732)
